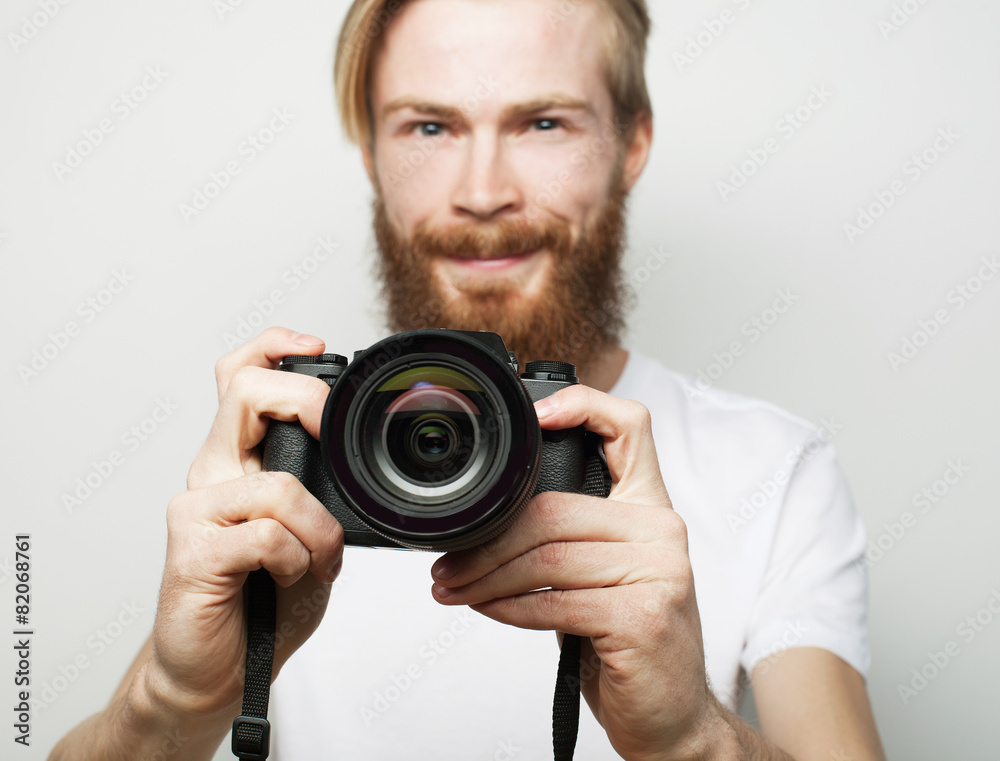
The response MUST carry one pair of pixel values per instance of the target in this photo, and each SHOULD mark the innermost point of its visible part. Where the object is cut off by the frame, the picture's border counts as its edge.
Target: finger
(245, 547)
(561, 565)
(208, 514)
(584, 612)
(561, 517)
(624, 617)
(264, 350)
(254, 396)
(626, 427)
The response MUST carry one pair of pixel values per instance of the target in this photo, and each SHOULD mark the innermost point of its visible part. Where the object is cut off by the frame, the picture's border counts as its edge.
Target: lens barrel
(431, 439)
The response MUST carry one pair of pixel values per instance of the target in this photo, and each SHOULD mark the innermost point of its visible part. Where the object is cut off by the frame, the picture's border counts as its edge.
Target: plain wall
(719, 259)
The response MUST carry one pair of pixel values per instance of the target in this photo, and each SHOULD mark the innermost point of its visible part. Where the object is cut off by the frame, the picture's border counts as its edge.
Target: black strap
(251, 731)
(566, 701)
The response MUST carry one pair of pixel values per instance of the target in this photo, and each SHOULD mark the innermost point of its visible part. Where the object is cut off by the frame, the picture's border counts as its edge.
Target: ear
(637, 148)
(369, 161)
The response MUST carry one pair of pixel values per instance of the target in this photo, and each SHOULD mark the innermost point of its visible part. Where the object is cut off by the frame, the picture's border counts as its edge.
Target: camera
(429, 440)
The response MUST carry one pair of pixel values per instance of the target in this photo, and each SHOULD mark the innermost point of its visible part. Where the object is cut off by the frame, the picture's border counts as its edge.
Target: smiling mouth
(493, 263)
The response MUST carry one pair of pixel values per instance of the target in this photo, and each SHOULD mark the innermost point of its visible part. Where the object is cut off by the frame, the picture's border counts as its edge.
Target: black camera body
(429, 440)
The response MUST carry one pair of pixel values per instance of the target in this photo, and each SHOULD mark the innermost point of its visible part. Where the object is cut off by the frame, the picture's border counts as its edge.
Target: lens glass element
(432, 433)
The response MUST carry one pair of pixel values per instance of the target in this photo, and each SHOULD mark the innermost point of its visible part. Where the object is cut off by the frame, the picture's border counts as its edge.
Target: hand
(234, 519)
(615, 571)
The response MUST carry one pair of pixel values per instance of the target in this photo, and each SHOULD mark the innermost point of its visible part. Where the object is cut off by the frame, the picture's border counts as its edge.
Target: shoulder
(689, 411)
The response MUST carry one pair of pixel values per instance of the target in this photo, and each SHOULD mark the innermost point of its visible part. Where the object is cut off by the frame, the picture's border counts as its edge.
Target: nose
(487, 186)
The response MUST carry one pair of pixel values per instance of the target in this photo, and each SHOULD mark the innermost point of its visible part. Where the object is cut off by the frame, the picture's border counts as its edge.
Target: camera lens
(432, 440)
(434, 425)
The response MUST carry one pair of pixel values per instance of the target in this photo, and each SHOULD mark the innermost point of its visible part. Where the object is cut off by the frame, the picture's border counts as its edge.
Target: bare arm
(185, 687)
(812, 707)
(134, 725)
(815, 706)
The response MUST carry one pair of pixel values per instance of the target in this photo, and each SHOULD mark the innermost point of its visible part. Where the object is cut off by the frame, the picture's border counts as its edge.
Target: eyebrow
(443, 111)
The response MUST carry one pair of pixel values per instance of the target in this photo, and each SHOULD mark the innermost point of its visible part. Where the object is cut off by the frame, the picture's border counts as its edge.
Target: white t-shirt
(775, 544)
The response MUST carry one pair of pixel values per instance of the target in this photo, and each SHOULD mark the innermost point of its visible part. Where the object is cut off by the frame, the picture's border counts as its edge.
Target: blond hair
(367, 20)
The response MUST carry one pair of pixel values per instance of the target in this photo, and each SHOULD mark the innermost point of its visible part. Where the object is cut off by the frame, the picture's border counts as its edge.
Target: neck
(603, 371)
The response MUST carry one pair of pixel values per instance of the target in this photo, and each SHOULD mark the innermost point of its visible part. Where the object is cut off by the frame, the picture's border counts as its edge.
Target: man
(501, 139)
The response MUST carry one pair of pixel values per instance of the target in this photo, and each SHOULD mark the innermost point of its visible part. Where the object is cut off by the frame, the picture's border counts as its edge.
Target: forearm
(744, 742)
(137, 725)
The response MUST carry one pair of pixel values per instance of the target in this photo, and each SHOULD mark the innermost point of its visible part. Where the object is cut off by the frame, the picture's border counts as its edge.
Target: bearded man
(502, 139)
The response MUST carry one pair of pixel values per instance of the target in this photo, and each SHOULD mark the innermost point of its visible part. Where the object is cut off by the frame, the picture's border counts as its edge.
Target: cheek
(571, 182)
(415, 181)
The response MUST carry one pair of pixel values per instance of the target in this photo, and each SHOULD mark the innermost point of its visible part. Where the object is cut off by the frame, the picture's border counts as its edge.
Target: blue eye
(546, 125)
(430, 129)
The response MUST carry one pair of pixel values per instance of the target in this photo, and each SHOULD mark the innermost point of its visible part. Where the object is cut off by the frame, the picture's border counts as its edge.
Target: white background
(63, 238)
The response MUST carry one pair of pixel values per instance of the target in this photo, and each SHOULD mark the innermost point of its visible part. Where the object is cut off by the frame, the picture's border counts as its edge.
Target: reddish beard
(577, 314)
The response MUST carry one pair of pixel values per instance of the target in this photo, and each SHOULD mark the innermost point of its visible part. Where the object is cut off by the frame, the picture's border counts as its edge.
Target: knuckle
(267, 532)
(272, 486)
(657, 605)
(242, 381)
(552, 555)
(316, 390)
(280, 481)
(222, 365)
(549, 509)
(640, 416)
(176, 511)
(550, 602)
(674, 528)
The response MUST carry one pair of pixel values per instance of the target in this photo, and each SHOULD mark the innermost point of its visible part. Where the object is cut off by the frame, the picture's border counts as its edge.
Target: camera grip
(563, 465)
(289, 447)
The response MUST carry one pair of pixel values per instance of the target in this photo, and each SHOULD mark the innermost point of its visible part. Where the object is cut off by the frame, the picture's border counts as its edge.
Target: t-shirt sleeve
(814, 590)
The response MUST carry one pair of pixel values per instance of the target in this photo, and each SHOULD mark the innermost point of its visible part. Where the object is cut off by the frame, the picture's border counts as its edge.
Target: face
(501, 174)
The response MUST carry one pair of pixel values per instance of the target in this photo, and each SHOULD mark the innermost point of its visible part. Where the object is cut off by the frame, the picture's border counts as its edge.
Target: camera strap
(251, 730)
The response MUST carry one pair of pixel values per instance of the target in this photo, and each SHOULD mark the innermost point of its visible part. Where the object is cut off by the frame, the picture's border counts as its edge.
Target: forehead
(444, 51)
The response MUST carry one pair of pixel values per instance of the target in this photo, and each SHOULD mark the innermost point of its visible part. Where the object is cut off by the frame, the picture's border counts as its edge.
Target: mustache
(492, 240)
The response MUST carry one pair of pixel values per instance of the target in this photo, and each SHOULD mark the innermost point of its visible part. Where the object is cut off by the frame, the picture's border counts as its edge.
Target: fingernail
(304, 339)
(443, 569)
(440, 591)
(546, 407)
